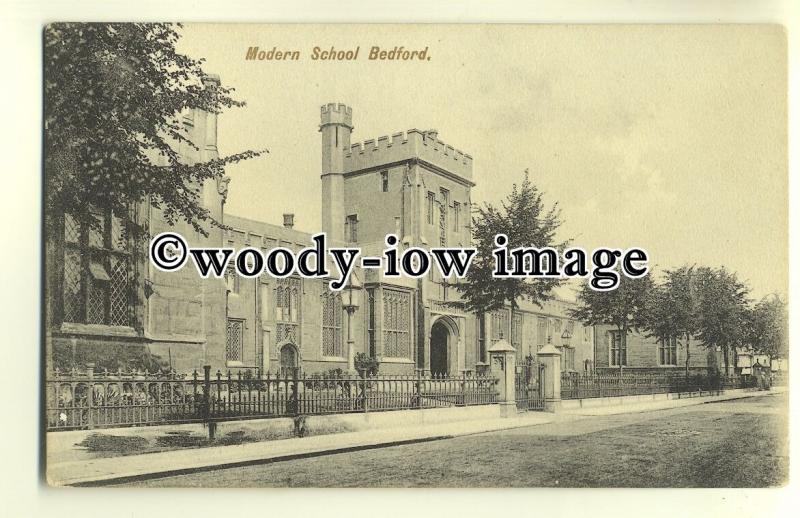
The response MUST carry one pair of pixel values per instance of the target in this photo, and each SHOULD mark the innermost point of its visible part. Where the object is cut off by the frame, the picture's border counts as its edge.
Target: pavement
(650, 406)
(114, 470)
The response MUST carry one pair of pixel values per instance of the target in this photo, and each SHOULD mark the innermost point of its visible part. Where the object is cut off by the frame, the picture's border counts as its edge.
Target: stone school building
(642, 354)
(109, 308)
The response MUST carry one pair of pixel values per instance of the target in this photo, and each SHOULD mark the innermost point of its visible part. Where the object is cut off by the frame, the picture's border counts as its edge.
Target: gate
(528, 386)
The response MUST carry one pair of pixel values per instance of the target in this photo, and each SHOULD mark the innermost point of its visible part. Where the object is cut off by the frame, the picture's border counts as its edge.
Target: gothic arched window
(287, 309)
(331, 323)
(396, 324)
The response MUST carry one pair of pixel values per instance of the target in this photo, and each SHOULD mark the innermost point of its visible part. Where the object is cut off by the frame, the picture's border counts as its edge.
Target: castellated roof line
(334, 107)
(414, 135)
(333, 113)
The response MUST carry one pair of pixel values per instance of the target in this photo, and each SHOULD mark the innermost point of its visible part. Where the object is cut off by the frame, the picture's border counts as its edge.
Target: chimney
(288, 220)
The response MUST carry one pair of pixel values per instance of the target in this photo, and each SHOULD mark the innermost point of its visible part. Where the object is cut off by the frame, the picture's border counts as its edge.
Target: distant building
(108, 306)
(641, 353)
(747, 358)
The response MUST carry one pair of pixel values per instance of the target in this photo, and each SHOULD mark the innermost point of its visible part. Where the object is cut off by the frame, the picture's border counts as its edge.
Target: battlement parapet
(333, 113)
(413, 143)
(336, 107)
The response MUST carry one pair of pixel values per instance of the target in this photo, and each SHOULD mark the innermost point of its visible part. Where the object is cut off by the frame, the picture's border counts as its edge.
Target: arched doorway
(288, 357)
(444, 335)
(439, 339)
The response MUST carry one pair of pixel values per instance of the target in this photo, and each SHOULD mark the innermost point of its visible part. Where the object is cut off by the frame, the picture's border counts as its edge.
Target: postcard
(418, 256)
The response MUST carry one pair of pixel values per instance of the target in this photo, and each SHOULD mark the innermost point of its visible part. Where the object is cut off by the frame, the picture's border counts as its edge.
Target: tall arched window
(331, 323)
(396, 324)
(296, 303)
(287, 309)
(279, 304)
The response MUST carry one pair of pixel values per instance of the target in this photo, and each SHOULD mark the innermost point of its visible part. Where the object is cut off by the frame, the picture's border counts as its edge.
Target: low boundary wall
(595, 402)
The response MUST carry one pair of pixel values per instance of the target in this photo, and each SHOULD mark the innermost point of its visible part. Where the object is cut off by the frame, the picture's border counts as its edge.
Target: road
(738, 443)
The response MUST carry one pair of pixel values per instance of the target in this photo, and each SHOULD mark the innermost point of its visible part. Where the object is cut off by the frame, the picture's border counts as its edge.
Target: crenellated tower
(336, 125)
(418, 187)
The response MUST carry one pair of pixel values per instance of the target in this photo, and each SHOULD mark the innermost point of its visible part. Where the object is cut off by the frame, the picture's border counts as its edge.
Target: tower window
(456, 215)
(384, 181)
(445, 195)
(431, 199)
(352, 228)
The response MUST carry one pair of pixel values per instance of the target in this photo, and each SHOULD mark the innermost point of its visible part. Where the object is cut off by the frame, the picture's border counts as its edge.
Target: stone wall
(643, 353)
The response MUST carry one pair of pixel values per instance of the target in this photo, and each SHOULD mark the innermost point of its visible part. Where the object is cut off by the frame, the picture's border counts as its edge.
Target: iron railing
(76, 400)
(591, 385)
(90, 400)
(528, 387)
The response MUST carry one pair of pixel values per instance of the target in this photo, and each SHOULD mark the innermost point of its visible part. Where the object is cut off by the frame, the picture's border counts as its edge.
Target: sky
(670, 138)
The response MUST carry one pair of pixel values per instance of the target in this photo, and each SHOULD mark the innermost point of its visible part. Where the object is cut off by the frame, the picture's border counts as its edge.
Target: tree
(624, 308)
(527, 221)
(766, 330)
(722, 303)
(113, 95)
(671, 314)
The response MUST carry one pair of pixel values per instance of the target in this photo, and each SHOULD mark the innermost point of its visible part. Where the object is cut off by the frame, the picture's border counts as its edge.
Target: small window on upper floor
(232, 281)
(384, 181)
(352, 228)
